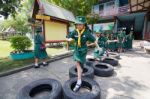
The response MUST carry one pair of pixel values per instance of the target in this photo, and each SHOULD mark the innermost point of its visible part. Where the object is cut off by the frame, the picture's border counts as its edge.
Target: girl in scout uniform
(102, 42)
(120, 39)
(112, 44)
(39, 50)
(124, 39)
(129, 40)
(80, 35)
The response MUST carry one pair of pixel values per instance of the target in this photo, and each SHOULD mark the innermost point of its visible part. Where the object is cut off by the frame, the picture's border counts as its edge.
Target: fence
(8, 35)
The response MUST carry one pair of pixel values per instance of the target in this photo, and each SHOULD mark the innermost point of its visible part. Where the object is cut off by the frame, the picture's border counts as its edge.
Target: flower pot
(21, 56)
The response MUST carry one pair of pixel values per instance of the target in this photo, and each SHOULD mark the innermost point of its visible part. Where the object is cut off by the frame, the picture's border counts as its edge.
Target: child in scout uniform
(129, 40)
(80, 35)
(102, 42)
(124, 39)
(120, 39)
(39, 48)
(112, 44)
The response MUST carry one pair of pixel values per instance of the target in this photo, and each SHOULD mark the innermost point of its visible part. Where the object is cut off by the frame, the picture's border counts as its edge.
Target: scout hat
(80, 20)
(38, 29)
(98, 31)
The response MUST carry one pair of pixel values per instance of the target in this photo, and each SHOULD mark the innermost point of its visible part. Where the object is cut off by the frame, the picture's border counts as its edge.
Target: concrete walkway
(131, 79)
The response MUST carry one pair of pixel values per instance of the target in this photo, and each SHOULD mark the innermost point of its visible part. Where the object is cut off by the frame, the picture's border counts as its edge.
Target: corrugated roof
(56, 11)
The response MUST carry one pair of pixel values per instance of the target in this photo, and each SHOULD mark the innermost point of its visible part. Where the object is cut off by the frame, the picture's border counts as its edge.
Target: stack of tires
(87, 82)
(105, 67)
(41, 89)
(102, 68)
(52, 89)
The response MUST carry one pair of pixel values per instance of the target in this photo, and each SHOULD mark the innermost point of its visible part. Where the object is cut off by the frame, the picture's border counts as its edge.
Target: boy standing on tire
(80, 35)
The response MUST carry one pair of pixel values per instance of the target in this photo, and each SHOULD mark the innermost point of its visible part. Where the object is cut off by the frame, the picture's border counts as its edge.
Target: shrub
(20, 43)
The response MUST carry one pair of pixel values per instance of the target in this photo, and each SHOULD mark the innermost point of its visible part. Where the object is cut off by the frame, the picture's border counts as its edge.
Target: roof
(55, 11)
(10, 29)
(130, 17)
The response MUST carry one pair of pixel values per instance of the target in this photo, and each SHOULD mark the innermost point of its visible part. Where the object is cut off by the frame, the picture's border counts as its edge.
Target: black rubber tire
(87, 72)
(31, 89)
(95, 92)
(90, 61)
(114, 55)
(111, 61)
(103, 69)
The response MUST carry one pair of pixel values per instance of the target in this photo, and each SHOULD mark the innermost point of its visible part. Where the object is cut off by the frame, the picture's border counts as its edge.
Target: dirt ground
(131, 79)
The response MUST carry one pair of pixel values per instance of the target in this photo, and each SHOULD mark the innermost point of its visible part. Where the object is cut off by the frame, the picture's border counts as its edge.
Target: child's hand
(69, 39)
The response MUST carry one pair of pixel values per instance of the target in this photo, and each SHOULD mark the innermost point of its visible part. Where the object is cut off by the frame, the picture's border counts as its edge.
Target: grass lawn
(5, 49)
(7, 64)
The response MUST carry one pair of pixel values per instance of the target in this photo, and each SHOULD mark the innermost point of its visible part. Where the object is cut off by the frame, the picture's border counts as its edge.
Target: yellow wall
(55, 31)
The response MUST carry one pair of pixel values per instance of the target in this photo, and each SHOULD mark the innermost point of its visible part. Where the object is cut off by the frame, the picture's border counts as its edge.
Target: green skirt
(112, 45)
(80, 56)
(120, 45)
(126, 44)
(38, 53)
(130, 44)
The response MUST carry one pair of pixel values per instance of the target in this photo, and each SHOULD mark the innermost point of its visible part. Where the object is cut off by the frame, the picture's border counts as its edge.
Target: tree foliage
(20, 20)
(9, 7)
(78, 7)
(20, 10)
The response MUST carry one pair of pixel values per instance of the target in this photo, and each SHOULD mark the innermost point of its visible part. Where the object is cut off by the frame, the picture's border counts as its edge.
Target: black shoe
(77, 88)
(36, 66)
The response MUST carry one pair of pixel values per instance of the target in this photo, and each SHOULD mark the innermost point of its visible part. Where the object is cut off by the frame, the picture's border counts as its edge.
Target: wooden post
(137, 6)
(68, 34)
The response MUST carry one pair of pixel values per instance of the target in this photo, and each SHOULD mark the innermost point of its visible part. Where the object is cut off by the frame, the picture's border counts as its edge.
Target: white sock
(79, 82)
(36, 64)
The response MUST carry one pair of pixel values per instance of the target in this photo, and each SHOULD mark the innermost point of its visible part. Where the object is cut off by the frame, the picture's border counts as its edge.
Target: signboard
(43, 17)
(55, 31)
(103, 26)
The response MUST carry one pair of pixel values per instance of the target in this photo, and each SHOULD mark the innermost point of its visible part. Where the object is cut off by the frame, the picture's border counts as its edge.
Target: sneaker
(77, 88)
(45, 64)
(36, 66)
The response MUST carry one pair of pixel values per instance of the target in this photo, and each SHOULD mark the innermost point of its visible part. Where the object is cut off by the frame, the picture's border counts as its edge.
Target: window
(96, 9)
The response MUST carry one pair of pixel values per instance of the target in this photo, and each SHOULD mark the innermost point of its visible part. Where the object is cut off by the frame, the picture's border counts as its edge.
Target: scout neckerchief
(79, 36)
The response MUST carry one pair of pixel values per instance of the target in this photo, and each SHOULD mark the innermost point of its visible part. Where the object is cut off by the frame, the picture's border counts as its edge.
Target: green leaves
(19, 23)
(78, 7)
(9, 7)
(20, 43)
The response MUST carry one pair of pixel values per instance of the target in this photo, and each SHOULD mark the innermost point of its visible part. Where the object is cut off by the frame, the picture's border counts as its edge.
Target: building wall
(138, 27)
(147, 33)
(148, 27)
(55, 31)
(111, 8)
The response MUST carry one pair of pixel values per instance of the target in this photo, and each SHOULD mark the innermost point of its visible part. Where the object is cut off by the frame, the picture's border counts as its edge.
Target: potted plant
(21, 45)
